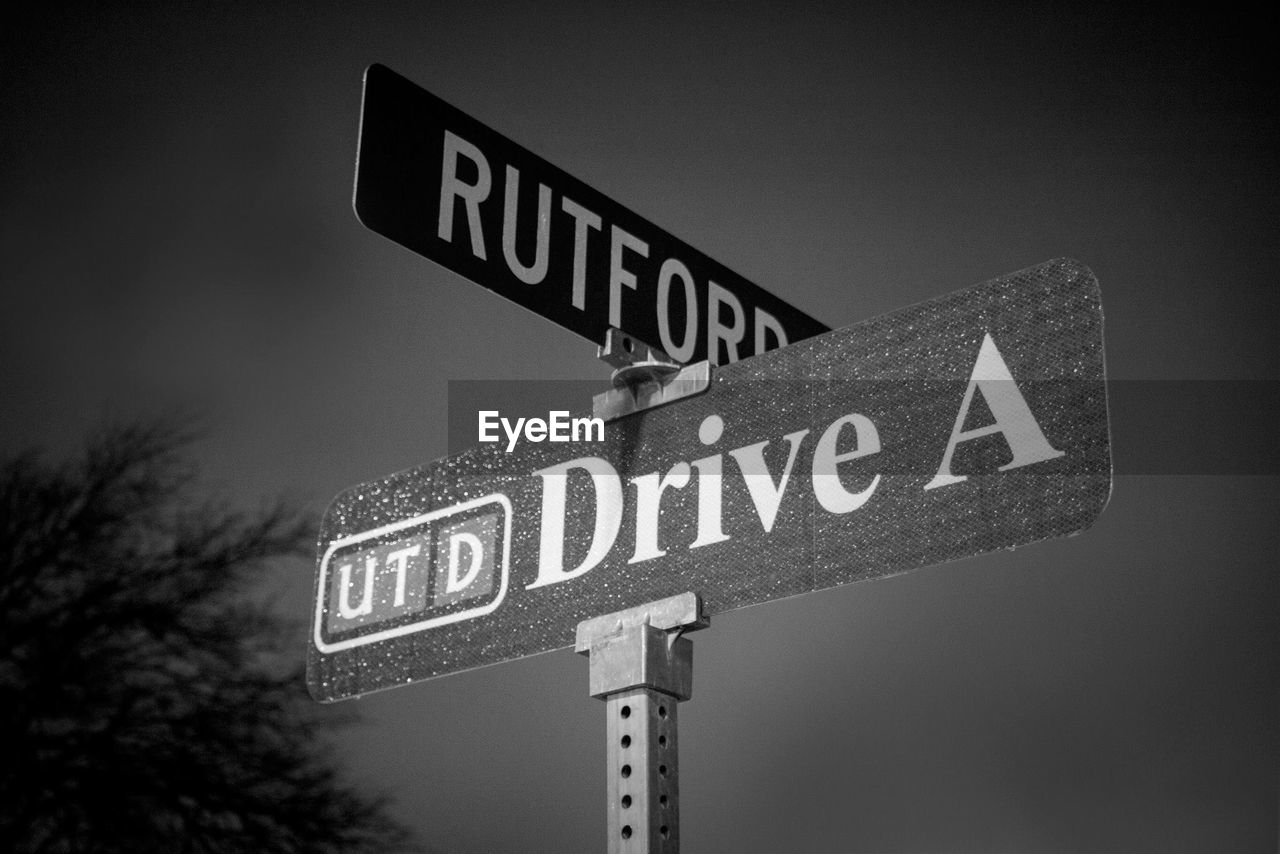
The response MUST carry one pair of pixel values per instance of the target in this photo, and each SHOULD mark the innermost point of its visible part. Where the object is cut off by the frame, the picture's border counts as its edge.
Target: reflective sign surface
(969, 423)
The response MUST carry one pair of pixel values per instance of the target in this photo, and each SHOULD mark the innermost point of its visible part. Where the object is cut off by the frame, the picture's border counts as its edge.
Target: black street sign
(442, 184)
(973, 422)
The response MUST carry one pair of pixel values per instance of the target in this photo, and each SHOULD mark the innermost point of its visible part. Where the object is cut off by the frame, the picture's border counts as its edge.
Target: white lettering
(1013, 418)
(488, 421)
(559, 426)
(588, 426)
(535, 273)
(583, 219)
(764, 495)
(399, 559)
(710, 469)
(454, 580)
(766, 321)
(535, 430)
(344, 590)
(649, 488)
(683, 351)
(452, 187)
(512, 433)
(827, 487)
(618, 275)
(607, 487)
(717, 331)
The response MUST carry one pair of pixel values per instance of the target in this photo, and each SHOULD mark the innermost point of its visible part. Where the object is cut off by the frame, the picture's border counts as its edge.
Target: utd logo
(427, 571)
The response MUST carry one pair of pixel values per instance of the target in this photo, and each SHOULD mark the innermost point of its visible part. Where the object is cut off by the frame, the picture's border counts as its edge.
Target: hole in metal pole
(626, 831)
(626, 711)
(662, 741)
(626, 801)
(662, 711)
(662, 800)
(662, 770)
(665, 831)
(626, 740)
(626, 770)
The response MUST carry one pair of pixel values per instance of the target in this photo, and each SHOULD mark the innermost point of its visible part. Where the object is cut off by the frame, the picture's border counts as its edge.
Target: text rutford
(463, 560)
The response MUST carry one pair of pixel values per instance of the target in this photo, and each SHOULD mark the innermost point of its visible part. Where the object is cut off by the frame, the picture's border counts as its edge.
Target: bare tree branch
(147, 703)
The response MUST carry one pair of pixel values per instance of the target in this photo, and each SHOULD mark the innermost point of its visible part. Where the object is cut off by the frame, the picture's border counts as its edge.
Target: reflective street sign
(969, 423)
(440, 183)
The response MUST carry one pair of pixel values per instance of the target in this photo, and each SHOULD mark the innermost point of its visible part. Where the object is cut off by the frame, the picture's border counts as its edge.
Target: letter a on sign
(1013, 417)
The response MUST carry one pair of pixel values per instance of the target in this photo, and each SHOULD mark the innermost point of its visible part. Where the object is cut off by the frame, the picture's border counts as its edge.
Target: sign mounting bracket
(642, 667)
(644, 377)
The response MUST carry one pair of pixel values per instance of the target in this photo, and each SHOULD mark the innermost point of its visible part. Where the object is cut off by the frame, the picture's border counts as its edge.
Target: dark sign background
(906, 371)
(397, 194)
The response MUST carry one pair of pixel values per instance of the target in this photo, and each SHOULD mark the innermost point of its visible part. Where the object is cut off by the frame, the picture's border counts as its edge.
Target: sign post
(642, 667)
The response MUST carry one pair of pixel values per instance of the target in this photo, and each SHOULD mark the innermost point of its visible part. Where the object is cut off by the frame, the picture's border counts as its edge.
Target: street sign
(973, 422)
(442, 184)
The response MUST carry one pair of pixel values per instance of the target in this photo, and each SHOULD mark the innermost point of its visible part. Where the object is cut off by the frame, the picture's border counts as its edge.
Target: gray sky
(176, 227)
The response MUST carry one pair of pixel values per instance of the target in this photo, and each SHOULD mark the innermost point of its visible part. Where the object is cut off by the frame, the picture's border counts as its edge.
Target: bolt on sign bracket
(644, 377)
(642, 667)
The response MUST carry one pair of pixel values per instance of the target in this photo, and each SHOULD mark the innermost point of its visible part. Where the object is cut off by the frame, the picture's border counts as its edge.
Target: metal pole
(642, 667)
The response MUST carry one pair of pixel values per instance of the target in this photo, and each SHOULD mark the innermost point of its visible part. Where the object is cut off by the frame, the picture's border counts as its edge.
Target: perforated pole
(643, 775)
(642, 667)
